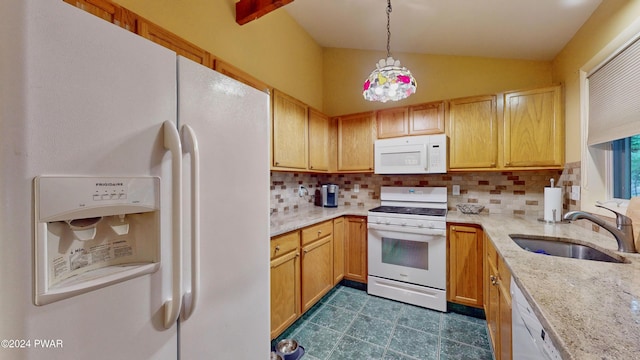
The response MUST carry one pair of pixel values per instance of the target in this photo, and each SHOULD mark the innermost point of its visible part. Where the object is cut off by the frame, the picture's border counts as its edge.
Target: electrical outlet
(455, 190)
(356, 188)
(575, 192)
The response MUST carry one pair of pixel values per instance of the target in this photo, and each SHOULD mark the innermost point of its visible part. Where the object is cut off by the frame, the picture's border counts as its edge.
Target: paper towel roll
(552, 201)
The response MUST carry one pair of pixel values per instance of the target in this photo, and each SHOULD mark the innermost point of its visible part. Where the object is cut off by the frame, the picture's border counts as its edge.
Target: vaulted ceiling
(517, 29)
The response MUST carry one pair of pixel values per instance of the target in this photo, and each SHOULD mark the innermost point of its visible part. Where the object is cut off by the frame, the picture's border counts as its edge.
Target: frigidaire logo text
(110, 184)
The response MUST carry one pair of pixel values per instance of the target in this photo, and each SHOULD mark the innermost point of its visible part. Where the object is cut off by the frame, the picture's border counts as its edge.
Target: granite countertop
(591, 309)
(297, 219)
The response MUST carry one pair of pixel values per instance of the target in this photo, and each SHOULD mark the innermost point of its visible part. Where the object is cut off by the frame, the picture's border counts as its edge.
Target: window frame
(597, 162)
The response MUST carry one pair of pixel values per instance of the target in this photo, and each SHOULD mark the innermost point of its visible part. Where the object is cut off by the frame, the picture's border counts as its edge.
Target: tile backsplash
(512, 192)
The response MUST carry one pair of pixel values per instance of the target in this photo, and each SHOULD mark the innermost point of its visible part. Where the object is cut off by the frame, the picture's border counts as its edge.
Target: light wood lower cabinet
(285, 281)
(465, 265)
(497, 305)
(303, 270)
(317, 263)
(338, 250)
(355, 249)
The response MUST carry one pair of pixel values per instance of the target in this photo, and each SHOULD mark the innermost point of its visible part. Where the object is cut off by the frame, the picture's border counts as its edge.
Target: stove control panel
(419, 223)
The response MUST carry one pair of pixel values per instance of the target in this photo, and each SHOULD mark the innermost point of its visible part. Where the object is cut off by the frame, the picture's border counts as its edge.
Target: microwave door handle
(426, 157)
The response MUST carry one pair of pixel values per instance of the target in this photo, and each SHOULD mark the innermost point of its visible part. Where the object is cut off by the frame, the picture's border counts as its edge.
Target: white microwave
(425, 154)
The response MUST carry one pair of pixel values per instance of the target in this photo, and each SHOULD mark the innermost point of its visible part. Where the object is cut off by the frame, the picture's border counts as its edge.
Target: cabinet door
(465, 253)
(318, 141)
(285, 292)
(355, 249)
(392, 122)
(317, 271)
(493, 306)
(355, 142)
(289, 132)
(338, 250)
(426, 119)
(505, 314)
(473, 133)
(171, 41)
(534, 128)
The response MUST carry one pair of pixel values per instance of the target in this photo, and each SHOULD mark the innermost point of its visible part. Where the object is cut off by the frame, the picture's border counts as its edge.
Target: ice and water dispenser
(92, 232)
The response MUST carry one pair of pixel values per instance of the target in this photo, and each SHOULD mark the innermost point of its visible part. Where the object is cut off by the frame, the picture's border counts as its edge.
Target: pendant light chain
(389, 28)
(389, 80)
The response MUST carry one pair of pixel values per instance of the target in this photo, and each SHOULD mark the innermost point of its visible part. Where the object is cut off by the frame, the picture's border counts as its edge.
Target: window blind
(614, 97)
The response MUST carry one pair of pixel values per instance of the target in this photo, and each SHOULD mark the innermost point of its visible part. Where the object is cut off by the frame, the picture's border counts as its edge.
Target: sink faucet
(622, 231)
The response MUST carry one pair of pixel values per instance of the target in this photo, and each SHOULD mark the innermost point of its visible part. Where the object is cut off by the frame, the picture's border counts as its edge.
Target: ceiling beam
(248, 10)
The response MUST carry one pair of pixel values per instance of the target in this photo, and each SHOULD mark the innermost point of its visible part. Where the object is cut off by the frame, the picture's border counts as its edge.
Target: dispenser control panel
(61, 196)
(110, 191)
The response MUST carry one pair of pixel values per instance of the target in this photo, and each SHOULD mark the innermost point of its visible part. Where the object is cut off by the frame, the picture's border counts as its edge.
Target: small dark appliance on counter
(330, 195)
(317, 199)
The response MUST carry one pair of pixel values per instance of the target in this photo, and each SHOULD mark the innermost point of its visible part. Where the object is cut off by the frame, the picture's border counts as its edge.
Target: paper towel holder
(562, 221)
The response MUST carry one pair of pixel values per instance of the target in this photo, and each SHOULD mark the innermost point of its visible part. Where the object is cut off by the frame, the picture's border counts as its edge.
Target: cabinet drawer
(315, 232)
(283, 244)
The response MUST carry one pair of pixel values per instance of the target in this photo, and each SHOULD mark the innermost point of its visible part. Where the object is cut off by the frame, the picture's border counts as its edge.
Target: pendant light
(389, 80)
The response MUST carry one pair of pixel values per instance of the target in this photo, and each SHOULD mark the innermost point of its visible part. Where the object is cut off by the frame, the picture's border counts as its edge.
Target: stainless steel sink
(564, 248)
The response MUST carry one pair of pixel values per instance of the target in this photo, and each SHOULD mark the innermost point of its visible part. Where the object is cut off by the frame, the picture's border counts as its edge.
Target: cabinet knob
(494, 280)
(277, 163)
(319, 232)
(277, 248)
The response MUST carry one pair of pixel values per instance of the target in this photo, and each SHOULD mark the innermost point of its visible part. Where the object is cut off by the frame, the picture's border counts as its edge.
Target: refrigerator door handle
(190, 143)
(172, 143)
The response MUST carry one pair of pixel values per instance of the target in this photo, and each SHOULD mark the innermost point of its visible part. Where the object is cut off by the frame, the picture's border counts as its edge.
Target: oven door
(411, 255)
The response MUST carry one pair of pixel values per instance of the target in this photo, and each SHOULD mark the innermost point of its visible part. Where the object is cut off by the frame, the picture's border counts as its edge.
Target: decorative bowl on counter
(470, 208)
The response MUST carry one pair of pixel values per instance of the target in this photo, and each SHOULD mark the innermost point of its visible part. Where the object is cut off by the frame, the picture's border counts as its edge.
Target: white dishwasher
(529, 339)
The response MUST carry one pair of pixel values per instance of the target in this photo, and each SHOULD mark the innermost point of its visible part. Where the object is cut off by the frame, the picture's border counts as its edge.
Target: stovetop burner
(410, 210)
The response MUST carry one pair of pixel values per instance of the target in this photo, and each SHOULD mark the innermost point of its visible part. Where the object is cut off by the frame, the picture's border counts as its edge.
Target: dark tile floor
(349, 324)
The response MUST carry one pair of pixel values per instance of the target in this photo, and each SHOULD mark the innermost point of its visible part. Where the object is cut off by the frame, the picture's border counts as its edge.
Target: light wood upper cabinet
(425, 119)
(355, 249)
(285, 281)
(290, 132)
(473, 133)
(534, 128)
(173, 42)
(107, 10)
(465, 265)
(319, 141)
(392, 122)
(356, 134)
(420, 119)
(233, 72)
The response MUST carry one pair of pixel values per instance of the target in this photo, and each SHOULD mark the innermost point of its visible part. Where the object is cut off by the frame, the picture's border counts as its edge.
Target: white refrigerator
(83, 102)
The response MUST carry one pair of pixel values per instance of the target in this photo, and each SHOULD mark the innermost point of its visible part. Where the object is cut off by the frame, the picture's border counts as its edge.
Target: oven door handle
(408, 230)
